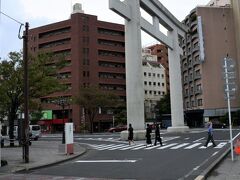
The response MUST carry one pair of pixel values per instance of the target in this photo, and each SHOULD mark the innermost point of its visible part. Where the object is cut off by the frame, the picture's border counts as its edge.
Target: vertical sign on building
(201, 41)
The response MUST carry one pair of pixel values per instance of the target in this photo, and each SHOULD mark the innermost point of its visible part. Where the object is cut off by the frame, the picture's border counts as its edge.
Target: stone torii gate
(130, 10)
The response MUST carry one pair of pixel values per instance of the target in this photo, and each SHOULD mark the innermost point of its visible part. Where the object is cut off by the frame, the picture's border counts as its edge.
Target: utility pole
(26, 95)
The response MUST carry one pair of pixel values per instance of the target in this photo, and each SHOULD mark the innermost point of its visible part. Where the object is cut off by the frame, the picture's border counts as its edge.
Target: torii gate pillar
(130, 10)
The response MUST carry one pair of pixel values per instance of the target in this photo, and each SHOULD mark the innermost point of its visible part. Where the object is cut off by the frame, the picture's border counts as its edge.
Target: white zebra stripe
(220, 145)
(166, 146)
(203, 147)
(130, 147)
(141, 147)
(108, 146)
(179, 146)
(193, 146)
(120, 146)
(152, 147)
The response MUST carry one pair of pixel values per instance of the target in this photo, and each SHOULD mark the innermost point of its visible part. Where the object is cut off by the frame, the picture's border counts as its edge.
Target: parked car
(218, 124)
(35, 131)
(118, 128)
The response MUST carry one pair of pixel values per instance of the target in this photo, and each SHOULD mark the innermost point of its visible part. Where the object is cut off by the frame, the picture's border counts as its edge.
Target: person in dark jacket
(157, 135)
(210, 135)
(148, 135)
(130, 134)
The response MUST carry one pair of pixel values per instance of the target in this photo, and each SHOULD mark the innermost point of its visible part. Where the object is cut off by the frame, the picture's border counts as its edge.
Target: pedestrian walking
(210, 135)
(148, 135)
(130, 134)
(157, 135)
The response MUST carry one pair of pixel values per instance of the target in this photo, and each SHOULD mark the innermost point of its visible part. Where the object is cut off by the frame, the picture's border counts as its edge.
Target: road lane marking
(117, 147)
(220, 145)
(152, 147)
(141, 147)
(179, 146)
(106, 147)
(131, 146)
(193, 145)
(169, 145)
(170, 138)
(214, 154)
(107, 161)
(203, 147)
(199, 139)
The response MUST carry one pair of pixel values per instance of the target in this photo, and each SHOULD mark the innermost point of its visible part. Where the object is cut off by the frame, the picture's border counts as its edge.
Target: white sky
(42, 12)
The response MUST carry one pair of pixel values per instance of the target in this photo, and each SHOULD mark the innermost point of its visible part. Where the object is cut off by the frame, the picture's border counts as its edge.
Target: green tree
(164, 105)
(92, 98)
(121, 114)
(42, 81)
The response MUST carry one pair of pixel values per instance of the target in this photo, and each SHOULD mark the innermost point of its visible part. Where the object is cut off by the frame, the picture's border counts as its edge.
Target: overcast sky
(42, 12)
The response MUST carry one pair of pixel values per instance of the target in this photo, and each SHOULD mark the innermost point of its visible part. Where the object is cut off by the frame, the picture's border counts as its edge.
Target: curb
(207, 171)
(50, 164)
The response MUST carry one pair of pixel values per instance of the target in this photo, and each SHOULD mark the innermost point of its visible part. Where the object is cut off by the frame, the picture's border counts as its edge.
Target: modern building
(154, 79)
(211, 38)
(96, 56)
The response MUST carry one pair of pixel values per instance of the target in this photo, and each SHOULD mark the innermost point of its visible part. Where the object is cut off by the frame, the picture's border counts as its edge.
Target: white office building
(154, 79)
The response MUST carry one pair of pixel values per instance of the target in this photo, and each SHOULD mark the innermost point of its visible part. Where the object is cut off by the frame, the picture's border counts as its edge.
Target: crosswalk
(141, 146)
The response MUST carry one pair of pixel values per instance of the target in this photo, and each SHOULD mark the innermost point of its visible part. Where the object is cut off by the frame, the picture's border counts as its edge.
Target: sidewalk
(226, 169)
(41, 153)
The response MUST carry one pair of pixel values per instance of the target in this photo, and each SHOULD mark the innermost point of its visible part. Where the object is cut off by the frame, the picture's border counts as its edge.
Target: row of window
(113, 87)
(154, 92)
(110, 32)
(111, 75)
(111, 53)
(54, 32)
(191, 91)
(111, 64)
(153, 74)
(110, 43)
(153, 83)
(64, 75)
(55, 43)
(193, 103)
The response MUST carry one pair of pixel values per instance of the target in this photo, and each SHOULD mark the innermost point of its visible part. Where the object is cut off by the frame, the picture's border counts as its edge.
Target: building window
(145, 92)
(145, 82)
(199, 87)
(149, 83)
(154, 83)
(145, 74)
(163, 84)
(149, 74)
(85, 61)
(192, 103)
(199, 101)
(85, 28)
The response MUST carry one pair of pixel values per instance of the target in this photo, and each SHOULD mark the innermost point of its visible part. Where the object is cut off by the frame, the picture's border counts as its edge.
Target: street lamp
(62, 101)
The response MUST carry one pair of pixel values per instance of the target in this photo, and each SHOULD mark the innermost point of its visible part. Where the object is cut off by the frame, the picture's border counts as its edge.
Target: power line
(11, 18)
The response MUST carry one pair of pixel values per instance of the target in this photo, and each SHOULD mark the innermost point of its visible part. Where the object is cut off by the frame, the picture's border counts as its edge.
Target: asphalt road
(182, 157)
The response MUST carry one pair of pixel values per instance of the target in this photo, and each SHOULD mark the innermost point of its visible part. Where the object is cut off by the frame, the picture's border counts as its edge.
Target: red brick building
(96, 56)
